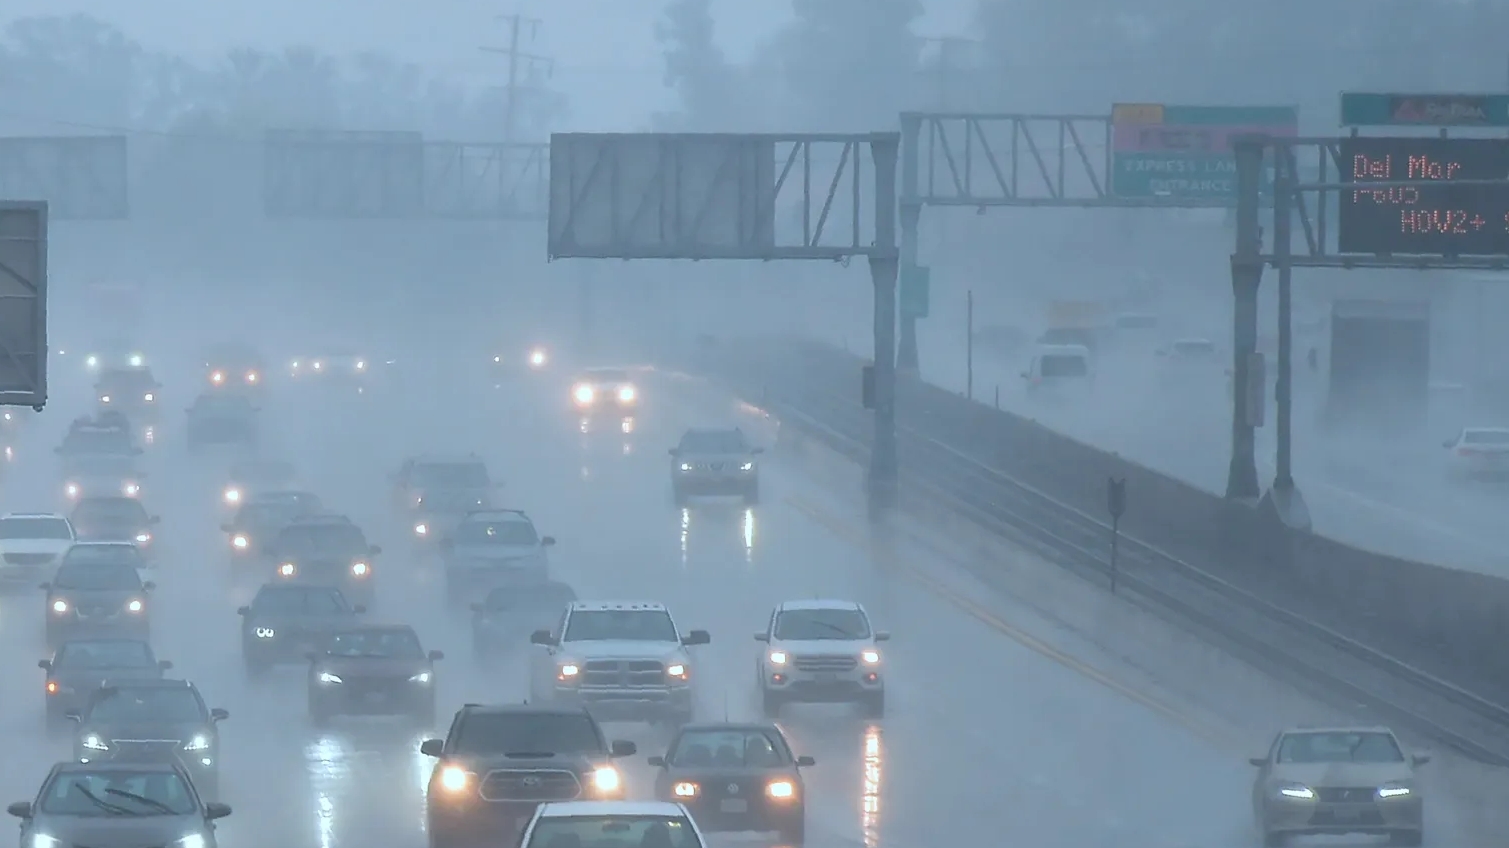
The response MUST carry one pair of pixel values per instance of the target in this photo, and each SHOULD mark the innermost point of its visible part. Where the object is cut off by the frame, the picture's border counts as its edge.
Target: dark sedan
(285, 622)
(373, 670)
(79, 666)
(152, 721)
(736, 777)
(118, 805)
(99, 597)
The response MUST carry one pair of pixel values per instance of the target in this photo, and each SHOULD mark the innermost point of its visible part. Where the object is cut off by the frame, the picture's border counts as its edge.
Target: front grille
(28, 559)
(1368, 817)
(145, 749)
(531, 785)
(92, 611)
(624, 674)
(826, 663)
(1347, 795)
(373, 685)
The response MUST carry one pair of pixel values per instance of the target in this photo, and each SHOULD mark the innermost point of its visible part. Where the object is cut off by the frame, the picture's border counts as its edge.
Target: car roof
(1373, 728)
(165, 766)
(760, 726)
(53, 515)
(820, 604)
(567, 809)
(523, 709)
(598, 606)
(498, 515)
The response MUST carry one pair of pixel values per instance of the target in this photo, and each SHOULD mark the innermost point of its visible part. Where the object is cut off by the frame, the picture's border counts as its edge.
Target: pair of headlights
(1300, 792)
(61, 606)
(569, 672)
(288, 569)
(780, 790)
(329, 679)
(605, 780)
(868, 656)
(199, 742)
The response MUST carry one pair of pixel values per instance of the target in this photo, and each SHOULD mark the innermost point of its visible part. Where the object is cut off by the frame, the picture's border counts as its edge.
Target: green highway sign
(916, 291)
(1185, 152)
(1424, 110)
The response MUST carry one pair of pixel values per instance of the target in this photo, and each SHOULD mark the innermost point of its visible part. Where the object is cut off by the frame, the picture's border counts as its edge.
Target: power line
(516, 25)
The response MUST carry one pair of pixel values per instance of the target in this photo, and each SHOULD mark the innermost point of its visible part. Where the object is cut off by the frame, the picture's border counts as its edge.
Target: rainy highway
(1003, 724)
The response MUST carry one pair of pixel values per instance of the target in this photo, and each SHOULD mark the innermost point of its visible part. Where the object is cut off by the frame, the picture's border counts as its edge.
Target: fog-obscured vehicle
(373, 669)
(262, 516)
(133, 391)
(498, 764)
(736, 777)
(114, 519)
(715, 461)
(650, 824)
(508, 613)
(97, 591)
(326, 549)
(1183, 359)
(31, 545)
(236, 366)
(221, 419)
(118, 805)
(492, 547)
(285, 622)
(513, 363)
(114, 353)
(80, 666)
(820, 651)
(605, 391)
(1478, 453)
(1059, 371)
(623, 660)
(437, 491)
(99, 457)
(251, 477)
(340, 367)
(150, 721)
(1338, 780)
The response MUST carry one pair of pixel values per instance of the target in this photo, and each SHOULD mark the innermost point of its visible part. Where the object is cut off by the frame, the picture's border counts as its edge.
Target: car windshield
(388, 642)
(611, 831)
(512, 733)
(98, 440)
(147, 704)
(90, 556)
(727, 749)
(117, 792)
(1064, 365)
(714, 441)
(132, 378)
(104, 653)
(110, 511)
(1340, 747)
(800, 625)
(105, 465)
(641, 625)
(450, 475)
(97, 577)
(323, 538)
(300, 601)
(35, 528)
(512, 532)
(607, 375)
(265, 514)
(263, 472)
(1471, 437)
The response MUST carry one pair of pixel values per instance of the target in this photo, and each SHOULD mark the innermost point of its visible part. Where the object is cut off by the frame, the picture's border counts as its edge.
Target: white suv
(821, 652)
(31, 544)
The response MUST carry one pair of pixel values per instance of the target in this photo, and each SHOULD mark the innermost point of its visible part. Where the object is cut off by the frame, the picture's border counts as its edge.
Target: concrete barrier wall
(1452, 623)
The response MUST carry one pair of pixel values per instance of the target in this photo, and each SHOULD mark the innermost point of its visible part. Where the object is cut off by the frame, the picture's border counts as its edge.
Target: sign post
(1186, 151)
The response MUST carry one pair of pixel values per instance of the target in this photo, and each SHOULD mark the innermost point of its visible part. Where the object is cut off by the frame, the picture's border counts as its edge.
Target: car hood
(373, 666)
(451, 500)
(94, 597)
(823, 647)
(303, 622)
(182, 730)
(313, 558)
(574, 762)
(108, 831)
(1341, 774)
(714, 458)
(494, 552)
(622, 649)
(34, 546)
(84, 676)
(109, 531)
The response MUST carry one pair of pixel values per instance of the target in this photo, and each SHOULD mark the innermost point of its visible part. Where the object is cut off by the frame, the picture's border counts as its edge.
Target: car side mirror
(756, 451)
(219, 714)
(20, 809)
(165, 665)
(45, 665)
(696, 637)
(804, 762)
(622, 748)
(762, 637)
(658, 762)
(436, 655)
(542, 637)
(74, 717)
(674, 452)
(359, 609)
(1258, 761)
(243, 611)
(1421, 759)
(548, 541)
(883, 636)
(148, 586)
(1449, 443)
(375, 549)
(475, 606)
(432, 747)
(216, 810)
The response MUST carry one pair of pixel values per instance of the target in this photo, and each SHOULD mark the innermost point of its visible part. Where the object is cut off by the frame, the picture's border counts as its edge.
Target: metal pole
(1246, 274)
(969, 344)
(1115, 545)
(515, 22)
(1284, 202)
(883, 268)
(907, 356)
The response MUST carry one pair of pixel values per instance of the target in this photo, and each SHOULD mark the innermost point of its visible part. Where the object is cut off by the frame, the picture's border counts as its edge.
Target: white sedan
(1479, 452)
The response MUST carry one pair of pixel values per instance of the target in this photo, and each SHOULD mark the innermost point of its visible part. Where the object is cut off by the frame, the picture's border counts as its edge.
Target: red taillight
(52, 687)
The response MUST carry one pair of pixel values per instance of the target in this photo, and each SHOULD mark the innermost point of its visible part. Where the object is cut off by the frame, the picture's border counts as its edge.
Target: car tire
(770, 704)
(794, 832)
(752, 494)
(1407, 838)
(873, 705)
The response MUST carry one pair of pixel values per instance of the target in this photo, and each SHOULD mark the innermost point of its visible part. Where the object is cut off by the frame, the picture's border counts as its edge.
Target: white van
(1058, 369)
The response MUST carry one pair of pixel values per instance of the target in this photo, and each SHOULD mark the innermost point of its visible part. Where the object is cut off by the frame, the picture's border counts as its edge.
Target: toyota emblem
(733, 788)
(531, 781)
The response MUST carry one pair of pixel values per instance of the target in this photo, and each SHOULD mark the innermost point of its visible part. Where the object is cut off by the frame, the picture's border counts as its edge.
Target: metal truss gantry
(81, 178)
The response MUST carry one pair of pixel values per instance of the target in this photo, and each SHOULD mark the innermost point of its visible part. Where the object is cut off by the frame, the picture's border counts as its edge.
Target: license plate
(734, 805)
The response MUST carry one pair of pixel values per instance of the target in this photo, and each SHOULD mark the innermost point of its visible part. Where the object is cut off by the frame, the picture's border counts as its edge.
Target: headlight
(200, 742)
(193, 840)
(60, 605)
(1393, 790)
(360, 569)
(676, 670)
(361, 365)
(232, 495)
(606, 779)
(421, 677)
(93, 742)
(265, 632)
(238, 541)
(584, 394)
(131, 490)
(135, 605)
(104, 398)
(319, 365)
(52, 687)
(327, 677)
(777, 657)
(287, 569)
(748, 466)
(92, 362)
(870, 656)
(626, 394)
(42, 840)
(217, 378)
(453, 779)
(781, 789)
(149, 397)
(686, 466)
(569, 671)
(1295, 790)
(252, 377)
(143, 538)
(72, 489)
(537, 358)
(684, 790)
(421, 529)
(498, 359)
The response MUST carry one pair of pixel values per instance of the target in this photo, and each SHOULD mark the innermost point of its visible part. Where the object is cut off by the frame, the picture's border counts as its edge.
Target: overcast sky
(607, 60)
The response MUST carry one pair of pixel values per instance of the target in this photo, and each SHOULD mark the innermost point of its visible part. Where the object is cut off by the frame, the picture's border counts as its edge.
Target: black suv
(499, 763)
(328, 550)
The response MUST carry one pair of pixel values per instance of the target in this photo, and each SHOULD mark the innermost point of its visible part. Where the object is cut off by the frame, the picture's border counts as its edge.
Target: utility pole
(516, 58)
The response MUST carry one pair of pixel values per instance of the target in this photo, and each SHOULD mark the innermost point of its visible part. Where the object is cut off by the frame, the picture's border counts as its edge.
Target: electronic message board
(1432, 220)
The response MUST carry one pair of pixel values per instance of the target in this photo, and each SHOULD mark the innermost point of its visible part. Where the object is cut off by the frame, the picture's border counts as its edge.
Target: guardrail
(1278, 639)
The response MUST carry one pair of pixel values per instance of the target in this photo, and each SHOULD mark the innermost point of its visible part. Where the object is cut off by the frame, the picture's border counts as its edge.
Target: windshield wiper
(113, 809)
(836, 629)
(142, 799)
